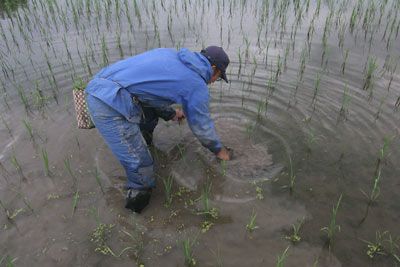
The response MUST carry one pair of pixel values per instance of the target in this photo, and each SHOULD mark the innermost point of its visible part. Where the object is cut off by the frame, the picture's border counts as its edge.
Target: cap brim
(223, 76)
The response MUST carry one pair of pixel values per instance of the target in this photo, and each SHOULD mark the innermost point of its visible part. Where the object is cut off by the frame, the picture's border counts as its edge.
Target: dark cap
(217, 56)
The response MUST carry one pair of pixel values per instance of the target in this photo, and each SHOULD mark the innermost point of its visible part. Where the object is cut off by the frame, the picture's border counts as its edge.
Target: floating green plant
(99, 238)
(375, 248)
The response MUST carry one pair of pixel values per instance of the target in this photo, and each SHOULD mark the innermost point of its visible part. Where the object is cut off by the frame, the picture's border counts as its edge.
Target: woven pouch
(82, 113)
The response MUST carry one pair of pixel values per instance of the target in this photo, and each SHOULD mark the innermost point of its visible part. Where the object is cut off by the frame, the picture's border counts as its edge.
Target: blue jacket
(159, 78)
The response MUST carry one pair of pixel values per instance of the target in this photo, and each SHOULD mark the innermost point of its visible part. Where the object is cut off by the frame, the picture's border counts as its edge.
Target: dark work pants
(125, 139)
(150, 119)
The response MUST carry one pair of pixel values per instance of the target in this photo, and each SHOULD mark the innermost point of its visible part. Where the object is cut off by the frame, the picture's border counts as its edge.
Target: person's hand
(179, 115)
(224, 154)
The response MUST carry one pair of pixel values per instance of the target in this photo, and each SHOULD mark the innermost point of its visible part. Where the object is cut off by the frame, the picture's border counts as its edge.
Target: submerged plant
(333, 227)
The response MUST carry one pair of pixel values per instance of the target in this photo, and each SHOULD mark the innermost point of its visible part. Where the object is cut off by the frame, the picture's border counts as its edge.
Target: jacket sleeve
(198, 116)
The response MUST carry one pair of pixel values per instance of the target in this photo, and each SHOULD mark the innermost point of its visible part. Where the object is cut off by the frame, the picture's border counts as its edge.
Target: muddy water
(279, 123)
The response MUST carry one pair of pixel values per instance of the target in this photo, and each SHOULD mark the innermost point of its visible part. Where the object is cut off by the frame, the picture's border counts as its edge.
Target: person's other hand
(224, 154)
(179, 115)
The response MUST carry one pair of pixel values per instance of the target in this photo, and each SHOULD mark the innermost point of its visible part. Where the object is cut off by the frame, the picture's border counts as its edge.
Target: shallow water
(320, 127)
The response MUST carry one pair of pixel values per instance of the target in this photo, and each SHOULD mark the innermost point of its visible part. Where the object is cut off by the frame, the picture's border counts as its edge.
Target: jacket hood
(196, 62)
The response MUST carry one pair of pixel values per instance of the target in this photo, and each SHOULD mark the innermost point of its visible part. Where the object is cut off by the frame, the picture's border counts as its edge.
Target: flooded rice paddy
(311, 112)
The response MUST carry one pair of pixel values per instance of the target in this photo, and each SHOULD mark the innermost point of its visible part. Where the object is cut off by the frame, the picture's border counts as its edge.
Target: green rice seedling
(240, 63)
(187, 245)
(311, 139)
(223, 167)
(344, 109)
(375, 191)
(397, 104)
(295, 237)
(97, 176)
(302, 66)
(11, 215)
(75, 200)
(218, 256)
(24, 199)
(137, 245)
(168, 182)
(278, 71)
(4, 172)
(137, 13)
(280, 261)
(39, 99)
(29, 129)
(207, 211)
(121, 51)
(17, 166)
(316, 89)
(333, 227)
(104, 51)
(378, 112)
(260, 108)
(370, 74)
(181, 150)
(292, 177)
(393, 246)
(23, 98)
(45, 158)
(385, 146)
(251, 225)
(343, 67)
(8, 261)
(67, 166)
